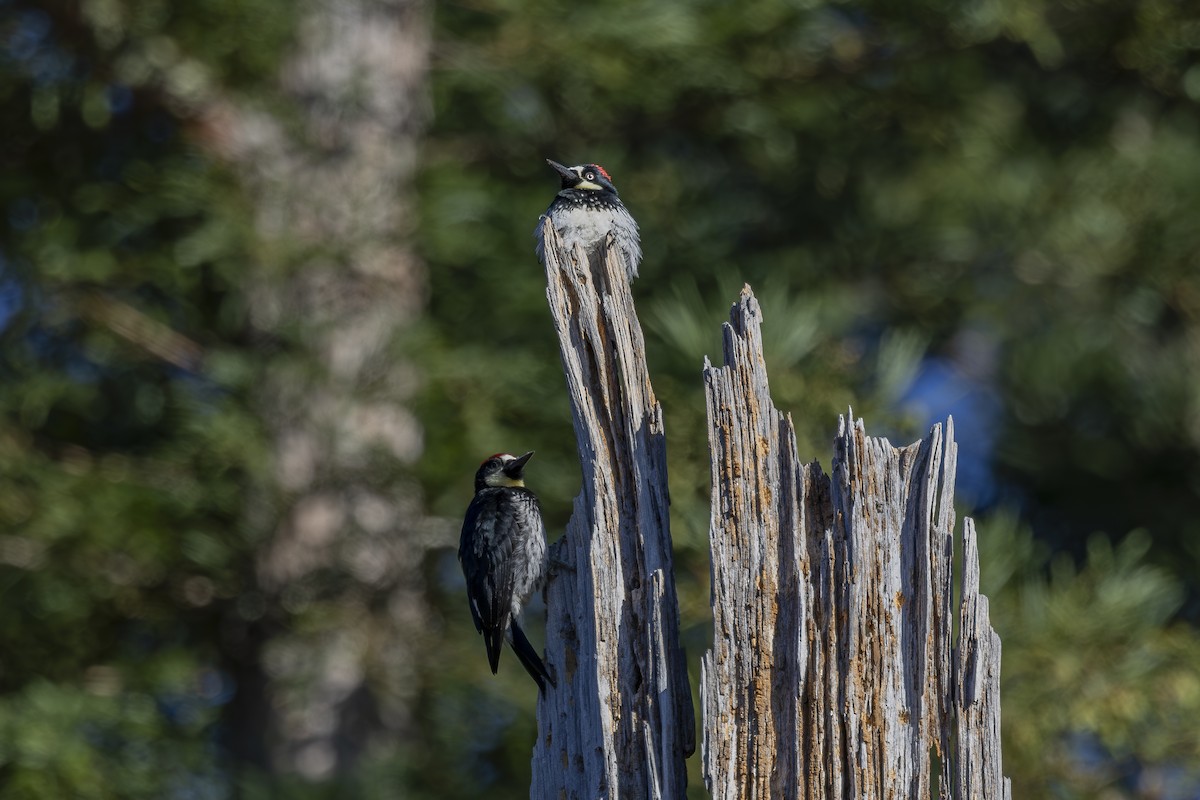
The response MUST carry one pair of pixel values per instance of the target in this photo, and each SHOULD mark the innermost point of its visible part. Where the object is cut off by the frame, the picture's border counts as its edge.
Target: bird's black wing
(485, 550)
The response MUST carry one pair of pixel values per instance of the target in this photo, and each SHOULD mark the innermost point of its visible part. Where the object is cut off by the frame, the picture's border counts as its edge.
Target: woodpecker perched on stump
(586, 210)
(503, 555)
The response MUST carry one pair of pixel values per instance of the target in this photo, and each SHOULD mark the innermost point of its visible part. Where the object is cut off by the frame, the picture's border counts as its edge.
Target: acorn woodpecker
(503, 555)
(586, 210)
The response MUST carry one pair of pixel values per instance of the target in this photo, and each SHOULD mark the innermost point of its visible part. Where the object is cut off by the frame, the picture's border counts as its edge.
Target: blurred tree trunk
(331, 172)
(620, 722)
(833, 673)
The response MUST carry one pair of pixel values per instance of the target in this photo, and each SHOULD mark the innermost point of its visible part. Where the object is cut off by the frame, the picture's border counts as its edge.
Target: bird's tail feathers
(493, 639)
(530, 659)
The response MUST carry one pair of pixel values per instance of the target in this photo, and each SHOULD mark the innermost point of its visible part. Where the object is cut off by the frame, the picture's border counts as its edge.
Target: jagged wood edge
(831, 674)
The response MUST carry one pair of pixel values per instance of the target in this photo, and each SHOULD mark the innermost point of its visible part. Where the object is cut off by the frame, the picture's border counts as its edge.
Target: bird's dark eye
(591, 176)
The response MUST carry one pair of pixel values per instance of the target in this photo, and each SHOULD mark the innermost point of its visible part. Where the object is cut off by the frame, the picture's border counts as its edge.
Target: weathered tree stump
(620, 722)
(833, 672)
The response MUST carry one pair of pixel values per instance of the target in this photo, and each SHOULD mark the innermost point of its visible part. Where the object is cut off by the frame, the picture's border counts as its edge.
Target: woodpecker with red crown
(503, 555)
(586, 210)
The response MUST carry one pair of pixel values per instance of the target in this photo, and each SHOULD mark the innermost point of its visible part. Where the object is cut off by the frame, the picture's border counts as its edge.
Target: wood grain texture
(620, 723)
(977, 702)
(833, 672)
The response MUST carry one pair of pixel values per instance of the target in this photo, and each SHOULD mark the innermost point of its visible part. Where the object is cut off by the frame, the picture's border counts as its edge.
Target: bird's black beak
(566, 172)
(516, 467)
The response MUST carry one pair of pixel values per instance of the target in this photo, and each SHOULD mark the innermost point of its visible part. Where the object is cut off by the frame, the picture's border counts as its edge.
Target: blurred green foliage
(1006, 189)
(126, 436)
(1100, 688)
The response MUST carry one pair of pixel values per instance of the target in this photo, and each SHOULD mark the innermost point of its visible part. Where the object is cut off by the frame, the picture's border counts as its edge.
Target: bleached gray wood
(977, 704)
(831, 670)
(620, 722)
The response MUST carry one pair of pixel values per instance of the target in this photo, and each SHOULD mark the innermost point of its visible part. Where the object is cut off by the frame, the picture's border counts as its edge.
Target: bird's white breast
(589, 224)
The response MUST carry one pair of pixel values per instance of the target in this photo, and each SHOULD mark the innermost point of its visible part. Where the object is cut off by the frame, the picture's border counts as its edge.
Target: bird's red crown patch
(604, 172)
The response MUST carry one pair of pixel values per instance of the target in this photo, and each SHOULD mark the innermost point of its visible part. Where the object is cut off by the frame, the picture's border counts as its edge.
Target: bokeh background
(268, 296)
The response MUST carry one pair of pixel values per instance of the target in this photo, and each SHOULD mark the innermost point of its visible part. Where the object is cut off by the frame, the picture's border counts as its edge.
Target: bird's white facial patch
(584, 183)
(501, 478)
